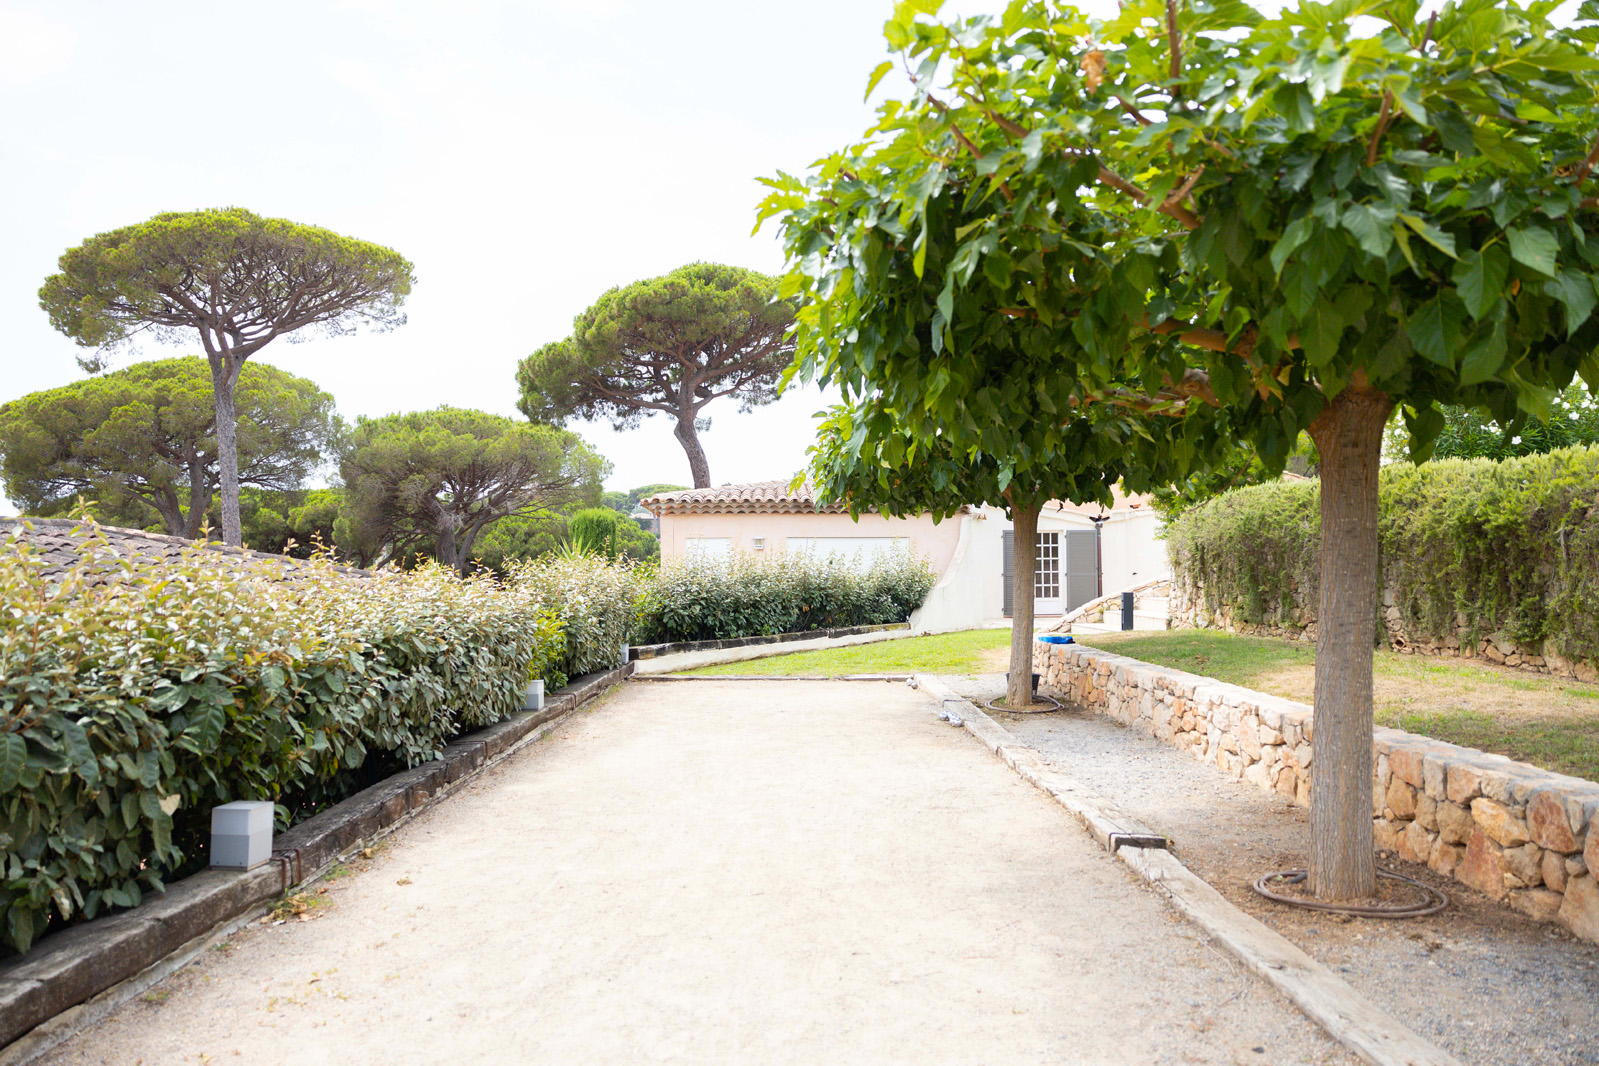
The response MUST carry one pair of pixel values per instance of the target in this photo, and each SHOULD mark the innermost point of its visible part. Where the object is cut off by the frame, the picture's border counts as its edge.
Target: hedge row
(703, 597)
(136, 695)
(1507, 547)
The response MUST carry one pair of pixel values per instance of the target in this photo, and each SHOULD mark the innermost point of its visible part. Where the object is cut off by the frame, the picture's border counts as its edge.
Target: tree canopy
(669, 345)
(239, 280)
(1239, 226)
(147, 433)
(436, 479)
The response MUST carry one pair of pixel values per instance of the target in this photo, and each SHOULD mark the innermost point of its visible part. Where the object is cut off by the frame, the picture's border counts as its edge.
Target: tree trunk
(222, 382)
(1024, 556)
(445, 549)
(1348, 433)
(199, 496)
(690, 441)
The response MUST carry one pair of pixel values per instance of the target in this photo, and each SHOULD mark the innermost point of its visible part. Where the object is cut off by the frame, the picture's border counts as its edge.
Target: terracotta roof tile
(761, 497)
(60, 541)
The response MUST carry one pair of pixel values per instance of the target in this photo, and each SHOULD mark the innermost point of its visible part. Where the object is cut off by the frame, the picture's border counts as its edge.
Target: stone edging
(655, 651)
(1372, 1034)
(83, 961)
(1516, 833)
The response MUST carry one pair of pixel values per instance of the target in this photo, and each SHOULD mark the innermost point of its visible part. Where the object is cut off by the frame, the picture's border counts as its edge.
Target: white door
(1046, 576)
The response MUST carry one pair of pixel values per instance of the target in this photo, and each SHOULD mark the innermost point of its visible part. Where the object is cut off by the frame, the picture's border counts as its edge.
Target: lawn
(1547, 721)
(974, 651)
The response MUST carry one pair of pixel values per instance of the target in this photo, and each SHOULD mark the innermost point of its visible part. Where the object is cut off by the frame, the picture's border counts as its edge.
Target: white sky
(524, 156)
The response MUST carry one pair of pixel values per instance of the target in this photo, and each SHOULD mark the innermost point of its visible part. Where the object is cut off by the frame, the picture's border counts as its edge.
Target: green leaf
(1434, 331)
(877, 75)
(1484, 358)
(1294, 103)
(1576, 293)
(1297, 233)
(13, 755)
(1534, 247)
(1372, 226)
(1480, 279)
(1444, 242)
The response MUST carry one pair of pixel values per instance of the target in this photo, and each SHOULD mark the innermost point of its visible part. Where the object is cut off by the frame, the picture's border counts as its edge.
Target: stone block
(1547, 822)
(1406, 765)
(1495, 819)
(1590, 851)
(1554, 870)
(1426, 812)
(1385, 834)
(1463, 783)
(1539, 904)
(1434, 773)
(1303, 753)
(1454, 823)
(1579, 907)
(1445, 857)
(1415, 844)
(1525, 864)
(1401, 799)
(1482, 867)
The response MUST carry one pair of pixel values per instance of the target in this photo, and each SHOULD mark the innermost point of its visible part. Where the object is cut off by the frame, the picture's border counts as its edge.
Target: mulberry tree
(1297, 223)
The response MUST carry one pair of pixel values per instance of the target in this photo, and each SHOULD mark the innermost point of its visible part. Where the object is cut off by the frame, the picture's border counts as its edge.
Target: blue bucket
(1056, 638)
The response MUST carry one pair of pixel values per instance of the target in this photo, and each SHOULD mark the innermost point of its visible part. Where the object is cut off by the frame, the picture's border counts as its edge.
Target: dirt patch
(1415, 685)
(995, 660)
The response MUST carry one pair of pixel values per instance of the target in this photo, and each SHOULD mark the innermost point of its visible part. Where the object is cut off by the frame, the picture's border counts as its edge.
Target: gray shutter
(1010, 572)
(1082, 568)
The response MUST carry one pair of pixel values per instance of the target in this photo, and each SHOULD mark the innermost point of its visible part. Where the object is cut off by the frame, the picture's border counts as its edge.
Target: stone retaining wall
(1521, 835)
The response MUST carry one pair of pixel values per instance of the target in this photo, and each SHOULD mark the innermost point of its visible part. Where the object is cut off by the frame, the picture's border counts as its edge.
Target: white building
(1084, 551)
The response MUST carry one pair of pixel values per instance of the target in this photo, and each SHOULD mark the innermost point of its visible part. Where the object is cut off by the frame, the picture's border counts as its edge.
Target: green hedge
(135, 695)
(701, 597)
(1508, 547)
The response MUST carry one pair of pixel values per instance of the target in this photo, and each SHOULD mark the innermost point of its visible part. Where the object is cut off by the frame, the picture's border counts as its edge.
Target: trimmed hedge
(1508, 547)
(135, 695)
(701, 597)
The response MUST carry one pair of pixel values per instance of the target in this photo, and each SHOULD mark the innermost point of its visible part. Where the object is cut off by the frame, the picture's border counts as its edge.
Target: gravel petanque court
(727, 872)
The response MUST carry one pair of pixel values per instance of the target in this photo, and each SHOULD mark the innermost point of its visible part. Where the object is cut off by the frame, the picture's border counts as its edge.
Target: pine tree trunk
(1024, 554)
(222, 381)
(691, 444)
(1348, 433)
(199, 496)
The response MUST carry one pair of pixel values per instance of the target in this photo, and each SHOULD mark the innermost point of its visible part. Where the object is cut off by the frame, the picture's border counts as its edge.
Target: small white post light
(535, 696)
(241, 834)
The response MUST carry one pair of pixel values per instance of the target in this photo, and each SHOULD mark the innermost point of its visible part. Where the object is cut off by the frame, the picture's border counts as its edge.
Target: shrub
(700, 597)
(595, 600)
(593, 529)
(1505, 547)
(136, 694)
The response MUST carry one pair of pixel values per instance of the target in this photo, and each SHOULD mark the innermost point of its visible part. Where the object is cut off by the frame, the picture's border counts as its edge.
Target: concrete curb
(655, 651)
(81, 973)
(1375, 1036)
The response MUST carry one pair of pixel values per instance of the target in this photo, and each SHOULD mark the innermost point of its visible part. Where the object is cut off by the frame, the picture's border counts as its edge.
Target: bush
(593, 529)
(1508, 547)
(700, 597)
(136, 694)
(595, 600)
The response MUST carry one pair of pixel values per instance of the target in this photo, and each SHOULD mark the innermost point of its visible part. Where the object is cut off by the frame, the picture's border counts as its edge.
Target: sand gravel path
(727, 872)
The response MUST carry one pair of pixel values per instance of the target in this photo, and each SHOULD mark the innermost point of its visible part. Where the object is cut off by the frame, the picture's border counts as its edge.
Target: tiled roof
(761, 497)
(60, 541)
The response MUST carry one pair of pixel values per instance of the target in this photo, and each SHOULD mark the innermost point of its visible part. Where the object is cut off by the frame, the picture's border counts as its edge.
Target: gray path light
(241, 834)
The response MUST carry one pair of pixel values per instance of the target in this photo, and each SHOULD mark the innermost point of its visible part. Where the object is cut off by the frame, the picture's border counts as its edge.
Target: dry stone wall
(1518, 834)
(1296, 620)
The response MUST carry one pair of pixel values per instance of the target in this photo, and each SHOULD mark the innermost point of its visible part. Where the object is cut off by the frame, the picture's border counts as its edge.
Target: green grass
(1548, 721)
(1226, 657)
(945, 653)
